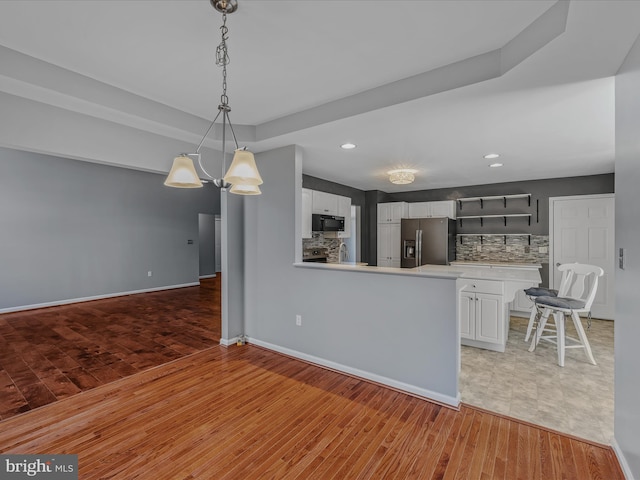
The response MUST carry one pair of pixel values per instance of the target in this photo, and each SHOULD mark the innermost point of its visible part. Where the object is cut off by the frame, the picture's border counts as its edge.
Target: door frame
(552, 203)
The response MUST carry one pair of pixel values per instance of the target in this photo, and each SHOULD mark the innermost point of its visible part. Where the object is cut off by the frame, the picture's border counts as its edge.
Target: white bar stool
(535, 292)
(580, 293)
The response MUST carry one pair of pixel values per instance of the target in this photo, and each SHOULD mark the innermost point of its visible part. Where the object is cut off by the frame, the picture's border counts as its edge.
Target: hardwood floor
(57, 352)
(248, 413)
(134, 387)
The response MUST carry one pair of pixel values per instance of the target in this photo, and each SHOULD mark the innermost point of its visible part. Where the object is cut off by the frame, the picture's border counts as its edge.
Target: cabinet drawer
(483, 286)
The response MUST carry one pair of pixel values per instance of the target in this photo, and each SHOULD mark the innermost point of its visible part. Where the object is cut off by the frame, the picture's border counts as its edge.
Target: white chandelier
(243, 176)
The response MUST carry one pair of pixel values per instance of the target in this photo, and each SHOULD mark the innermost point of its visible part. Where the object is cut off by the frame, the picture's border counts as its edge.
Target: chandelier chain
(222, 59)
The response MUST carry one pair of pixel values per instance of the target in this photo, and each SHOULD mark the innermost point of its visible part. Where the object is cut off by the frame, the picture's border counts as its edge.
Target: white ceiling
(551, 115)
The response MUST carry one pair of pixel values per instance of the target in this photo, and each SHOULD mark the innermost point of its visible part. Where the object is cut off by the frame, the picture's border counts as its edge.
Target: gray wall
(627, 331)
(233, 267)
(350, 320)
(207, 244)
(73, 230)
(540, 191)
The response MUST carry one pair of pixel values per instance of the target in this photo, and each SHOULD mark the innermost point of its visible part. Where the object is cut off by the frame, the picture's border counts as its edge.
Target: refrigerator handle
(419, 247)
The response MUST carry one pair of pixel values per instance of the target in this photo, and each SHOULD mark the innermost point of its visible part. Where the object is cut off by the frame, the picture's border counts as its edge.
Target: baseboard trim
(207, 276)
(622, 460)
(225, 342)
(94, 297)
(355, 372)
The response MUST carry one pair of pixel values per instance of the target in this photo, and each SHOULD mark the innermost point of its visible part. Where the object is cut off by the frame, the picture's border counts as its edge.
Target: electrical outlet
(479, 248)
(299, 320)
(149, 273)
(543, 249)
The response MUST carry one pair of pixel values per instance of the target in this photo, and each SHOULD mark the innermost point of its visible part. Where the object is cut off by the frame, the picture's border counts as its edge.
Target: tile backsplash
(500, 248)
(469, 248)
(319, 240)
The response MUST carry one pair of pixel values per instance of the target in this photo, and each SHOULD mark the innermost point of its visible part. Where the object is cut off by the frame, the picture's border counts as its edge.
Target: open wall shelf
(504, 216)
(504, 198)
(482, 235)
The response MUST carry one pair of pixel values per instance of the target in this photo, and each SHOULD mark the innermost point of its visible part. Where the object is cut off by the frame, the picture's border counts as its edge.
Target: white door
(581, 229)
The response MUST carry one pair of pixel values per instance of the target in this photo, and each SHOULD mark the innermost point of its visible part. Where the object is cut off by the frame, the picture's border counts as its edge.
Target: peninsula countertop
(528, 273)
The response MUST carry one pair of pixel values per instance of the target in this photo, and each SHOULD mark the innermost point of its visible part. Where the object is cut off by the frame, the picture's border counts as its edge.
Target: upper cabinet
(306, 212)
(324, 203)
(392, 212)
(344, 210)
(445, 208)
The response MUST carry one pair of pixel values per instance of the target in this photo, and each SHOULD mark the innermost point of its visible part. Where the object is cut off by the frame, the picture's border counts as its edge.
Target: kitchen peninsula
(484, 292)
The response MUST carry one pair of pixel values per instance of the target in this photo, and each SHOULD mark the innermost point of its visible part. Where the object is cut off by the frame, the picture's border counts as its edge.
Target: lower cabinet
(483, 315)
(521, 305)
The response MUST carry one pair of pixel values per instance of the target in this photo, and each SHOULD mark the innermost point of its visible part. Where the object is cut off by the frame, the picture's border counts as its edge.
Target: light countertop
(512, 272)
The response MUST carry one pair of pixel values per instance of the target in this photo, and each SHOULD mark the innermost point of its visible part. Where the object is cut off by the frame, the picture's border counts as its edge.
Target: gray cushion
(560, 302)
(541, 291)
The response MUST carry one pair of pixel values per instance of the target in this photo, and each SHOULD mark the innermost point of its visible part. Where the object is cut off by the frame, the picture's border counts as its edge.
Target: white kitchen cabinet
(445, 208)
(483, 315)
(392, 212)
(306, 212)
(521, 305)
(344, 210)
(389, 245)
(324, 203)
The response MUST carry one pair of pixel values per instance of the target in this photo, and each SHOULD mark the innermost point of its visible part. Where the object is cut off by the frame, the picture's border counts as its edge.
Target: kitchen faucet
(341, 257)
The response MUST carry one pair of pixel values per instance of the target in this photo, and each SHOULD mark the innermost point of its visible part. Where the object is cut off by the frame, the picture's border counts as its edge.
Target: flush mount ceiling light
(348, 146)
(490, 156)
(242, 173)
(495, 165)
(402, 176)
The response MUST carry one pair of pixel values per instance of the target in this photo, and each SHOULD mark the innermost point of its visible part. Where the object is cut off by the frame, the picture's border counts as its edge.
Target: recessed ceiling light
(495, 165)
(348, 146)
(489, 156)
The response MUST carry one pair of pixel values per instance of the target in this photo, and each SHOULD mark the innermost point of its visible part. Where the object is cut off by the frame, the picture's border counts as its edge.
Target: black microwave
(327, 223)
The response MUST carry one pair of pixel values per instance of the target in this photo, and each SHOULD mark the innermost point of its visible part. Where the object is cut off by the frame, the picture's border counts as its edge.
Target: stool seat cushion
(560, 302)
(541, 291)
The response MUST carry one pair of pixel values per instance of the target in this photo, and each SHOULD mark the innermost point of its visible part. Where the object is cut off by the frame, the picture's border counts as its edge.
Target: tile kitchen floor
(576, 399)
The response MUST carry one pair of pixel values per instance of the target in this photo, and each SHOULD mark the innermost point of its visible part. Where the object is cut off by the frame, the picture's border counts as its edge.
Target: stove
(315, 254)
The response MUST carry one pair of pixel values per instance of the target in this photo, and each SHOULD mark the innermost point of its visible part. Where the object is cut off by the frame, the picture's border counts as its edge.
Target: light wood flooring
(247, 413)
(57, 352)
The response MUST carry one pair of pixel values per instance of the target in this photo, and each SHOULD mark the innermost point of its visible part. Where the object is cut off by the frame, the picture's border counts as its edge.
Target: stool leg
(583, 337)
(560, 339)
(532, 319)
(541, 324)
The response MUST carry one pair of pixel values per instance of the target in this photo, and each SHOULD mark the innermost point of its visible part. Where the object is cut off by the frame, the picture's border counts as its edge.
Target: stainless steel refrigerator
(428, 241)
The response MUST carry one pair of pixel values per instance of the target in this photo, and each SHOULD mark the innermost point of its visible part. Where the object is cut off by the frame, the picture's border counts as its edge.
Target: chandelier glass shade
(183, 174)
(243, 171)
(402, 176)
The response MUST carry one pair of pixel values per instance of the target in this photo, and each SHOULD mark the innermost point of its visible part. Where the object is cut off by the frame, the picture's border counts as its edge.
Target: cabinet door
(392, 212)
(521, 303)
(398, 211)
(324, 203)
(394, 244)
(489, 318)
(419, 210)
(306, 213)
(383, 245)
(446, 208)
(344, 210)
(384, 213)
(467, 315)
